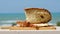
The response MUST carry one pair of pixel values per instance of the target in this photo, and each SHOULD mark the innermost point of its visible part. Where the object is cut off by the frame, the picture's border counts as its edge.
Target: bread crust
(33, 28)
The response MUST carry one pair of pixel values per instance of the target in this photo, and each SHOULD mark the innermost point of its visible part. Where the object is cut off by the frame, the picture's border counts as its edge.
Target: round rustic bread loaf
(37, 15)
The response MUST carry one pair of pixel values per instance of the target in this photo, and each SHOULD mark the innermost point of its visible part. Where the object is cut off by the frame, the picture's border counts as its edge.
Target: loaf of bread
(37, 15)
(33, 28)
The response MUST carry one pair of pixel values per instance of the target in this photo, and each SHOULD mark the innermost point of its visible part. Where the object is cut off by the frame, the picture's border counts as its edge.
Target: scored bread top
(37, 15)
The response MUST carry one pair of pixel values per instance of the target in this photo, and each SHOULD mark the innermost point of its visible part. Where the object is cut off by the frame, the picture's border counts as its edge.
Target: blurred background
(13, 10)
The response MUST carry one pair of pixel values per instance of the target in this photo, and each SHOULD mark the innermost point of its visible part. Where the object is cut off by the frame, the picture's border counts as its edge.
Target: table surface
(6, 31)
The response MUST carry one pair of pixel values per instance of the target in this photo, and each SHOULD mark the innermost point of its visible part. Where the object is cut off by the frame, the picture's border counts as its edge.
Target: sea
(6, 19)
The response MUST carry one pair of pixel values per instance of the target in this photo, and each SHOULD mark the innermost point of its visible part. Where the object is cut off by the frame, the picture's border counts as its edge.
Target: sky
(18, 6)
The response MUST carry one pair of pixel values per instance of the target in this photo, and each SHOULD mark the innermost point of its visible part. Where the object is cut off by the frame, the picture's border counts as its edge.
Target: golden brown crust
(33, 28)
(22, 28)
